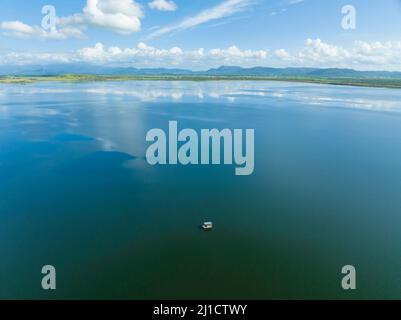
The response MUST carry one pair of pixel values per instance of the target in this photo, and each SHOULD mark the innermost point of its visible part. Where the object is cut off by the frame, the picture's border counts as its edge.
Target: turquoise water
(76, 192)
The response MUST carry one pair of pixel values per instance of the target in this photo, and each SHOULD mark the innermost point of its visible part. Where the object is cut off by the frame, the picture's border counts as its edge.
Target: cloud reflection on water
(223, 91)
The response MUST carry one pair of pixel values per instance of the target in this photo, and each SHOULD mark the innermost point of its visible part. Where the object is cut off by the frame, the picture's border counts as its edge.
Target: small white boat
(207, 226)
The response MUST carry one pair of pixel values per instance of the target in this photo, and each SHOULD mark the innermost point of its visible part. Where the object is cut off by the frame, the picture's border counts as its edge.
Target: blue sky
(200, 34)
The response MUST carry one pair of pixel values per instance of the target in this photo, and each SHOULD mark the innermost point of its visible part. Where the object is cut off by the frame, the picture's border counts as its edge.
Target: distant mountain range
(62, 69)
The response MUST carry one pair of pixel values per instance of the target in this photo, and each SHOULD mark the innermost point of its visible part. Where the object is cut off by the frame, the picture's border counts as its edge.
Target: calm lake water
(76, 192)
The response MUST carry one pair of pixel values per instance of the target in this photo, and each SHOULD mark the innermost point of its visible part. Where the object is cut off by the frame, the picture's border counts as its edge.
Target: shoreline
(353, 82)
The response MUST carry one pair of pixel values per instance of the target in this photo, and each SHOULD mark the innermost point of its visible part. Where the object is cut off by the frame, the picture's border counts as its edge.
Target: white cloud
(17, 26)
(235, 52)
(163, 5)
(362, 55)
(95, 53)
(19, 29)
(122, 16)
(315, 53)
(282, 54)
(144, 54)
(224, 9)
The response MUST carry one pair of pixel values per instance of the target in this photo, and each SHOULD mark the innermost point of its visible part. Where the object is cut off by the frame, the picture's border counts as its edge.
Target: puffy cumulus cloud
(122, 16)
(319, 51)
(21, 30)
(175, 55)
(366, 55)
(234, 52)
(378, 53)
(100, 53)
(95, 53)
(314, 53)
(163, 5)
(144, 55)
(282, 54)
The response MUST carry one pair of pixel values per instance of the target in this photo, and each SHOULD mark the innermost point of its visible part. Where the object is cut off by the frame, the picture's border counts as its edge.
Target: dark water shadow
(70, 137)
